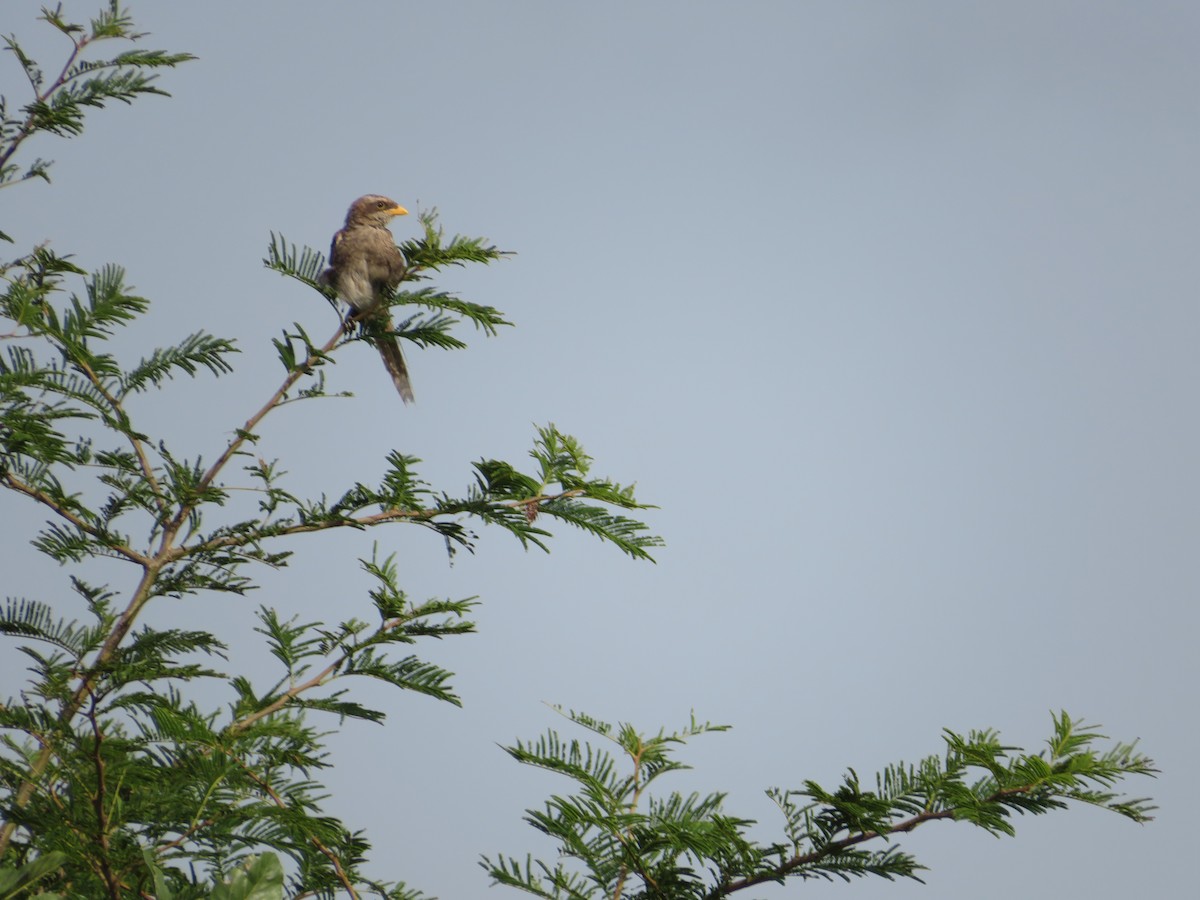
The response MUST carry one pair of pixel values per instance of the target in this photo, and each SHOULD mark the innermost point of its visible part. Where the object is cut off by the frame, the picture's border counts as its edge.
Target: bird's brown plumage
(364, 266)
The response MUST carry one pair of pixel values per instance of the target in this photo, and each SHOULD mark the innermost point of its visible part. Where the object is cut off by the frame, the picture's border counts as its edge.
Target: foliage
(617, 840)
(115, 782)
(58, 106)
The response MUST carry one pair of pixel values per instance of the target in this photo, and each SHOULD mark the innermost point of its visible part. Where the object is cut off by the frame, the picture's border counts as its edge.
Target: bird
(365, 265)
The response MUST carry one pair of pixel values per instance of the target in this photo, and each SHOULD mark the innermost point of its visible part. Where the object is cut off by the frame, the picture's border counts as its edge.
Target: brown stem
(26, 130)
(805, 859)
(98, 802)
(83, 691)
(287, 696)
(388, 515)
(296, 690)
(151, 568)
(316, 842)
(249, 427)
(197, 826)
(10, 481)
(628, 836)
(138, 449)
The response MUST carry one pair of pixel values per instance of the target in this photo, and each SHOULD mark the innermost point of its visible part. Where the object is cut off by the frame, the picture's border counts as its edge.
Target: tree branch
(10, 481)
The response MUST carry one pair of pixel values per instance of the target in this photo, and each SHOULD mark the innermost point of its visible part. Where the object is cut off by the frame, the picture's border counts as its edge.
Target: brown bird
(364, 266)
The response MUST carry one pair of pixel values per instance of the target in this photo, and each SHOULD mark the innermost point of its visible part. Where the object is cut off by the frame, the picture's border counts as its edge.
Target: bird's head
(374, 209)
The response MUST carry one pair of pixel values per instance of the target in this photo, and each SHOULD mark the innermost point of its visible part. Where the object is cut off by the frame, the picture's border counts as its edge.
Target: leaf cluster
(618, 840)
(146, 788)
(560, 489)
(58, 103)
(104, 756)
(113, 780)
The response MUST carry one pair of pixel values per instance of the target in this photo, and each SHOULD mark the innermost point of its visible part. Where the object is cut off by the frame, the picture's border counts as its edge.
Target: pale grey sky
(889, 306)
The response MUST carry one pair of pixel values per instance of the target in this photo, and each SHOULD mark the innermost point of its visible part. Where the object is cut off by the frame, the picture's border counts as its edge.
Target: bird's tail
(393, 361)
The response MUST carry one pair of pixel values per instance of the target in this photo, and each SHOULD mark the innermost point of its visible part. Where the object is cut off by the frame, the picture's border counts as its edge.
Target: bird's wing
(335, 247)
(385, 262)
(350, 270)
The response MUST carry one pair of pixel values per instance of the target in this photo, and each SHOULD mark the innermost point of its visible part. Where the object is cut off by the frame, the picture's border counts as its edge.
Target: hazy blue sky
(891, 307)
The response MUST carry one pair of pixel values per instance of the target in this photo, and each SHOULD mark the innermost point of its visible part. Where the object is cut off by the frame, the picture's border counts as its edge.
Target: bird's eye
(382, 204)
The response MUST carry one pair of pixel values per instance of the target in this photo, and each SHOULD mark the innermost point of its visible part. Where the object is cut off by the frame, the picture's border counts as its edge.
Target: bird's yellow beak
(398, 211)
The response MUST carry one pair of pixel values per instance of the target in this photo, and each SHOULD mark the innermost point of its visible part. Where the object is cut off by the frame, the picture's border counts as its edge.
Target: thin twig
(833, 847)
(316, 681)
(316, 841)
(244, 433)
(98, 802)
(26, 130)
(358, 522)
(11, 481)
(123, 420)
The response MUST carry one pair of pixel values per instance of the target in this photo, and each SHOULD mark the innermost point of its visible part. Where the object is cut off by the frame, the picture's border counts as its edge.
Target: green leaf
(15, 881)
(256, 879)
(161, 889)
(195, 351)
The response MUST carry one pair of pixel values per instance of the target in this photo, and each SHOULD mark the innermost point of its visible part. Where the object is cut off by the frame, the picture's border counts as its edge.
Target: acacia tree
(116, 782)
